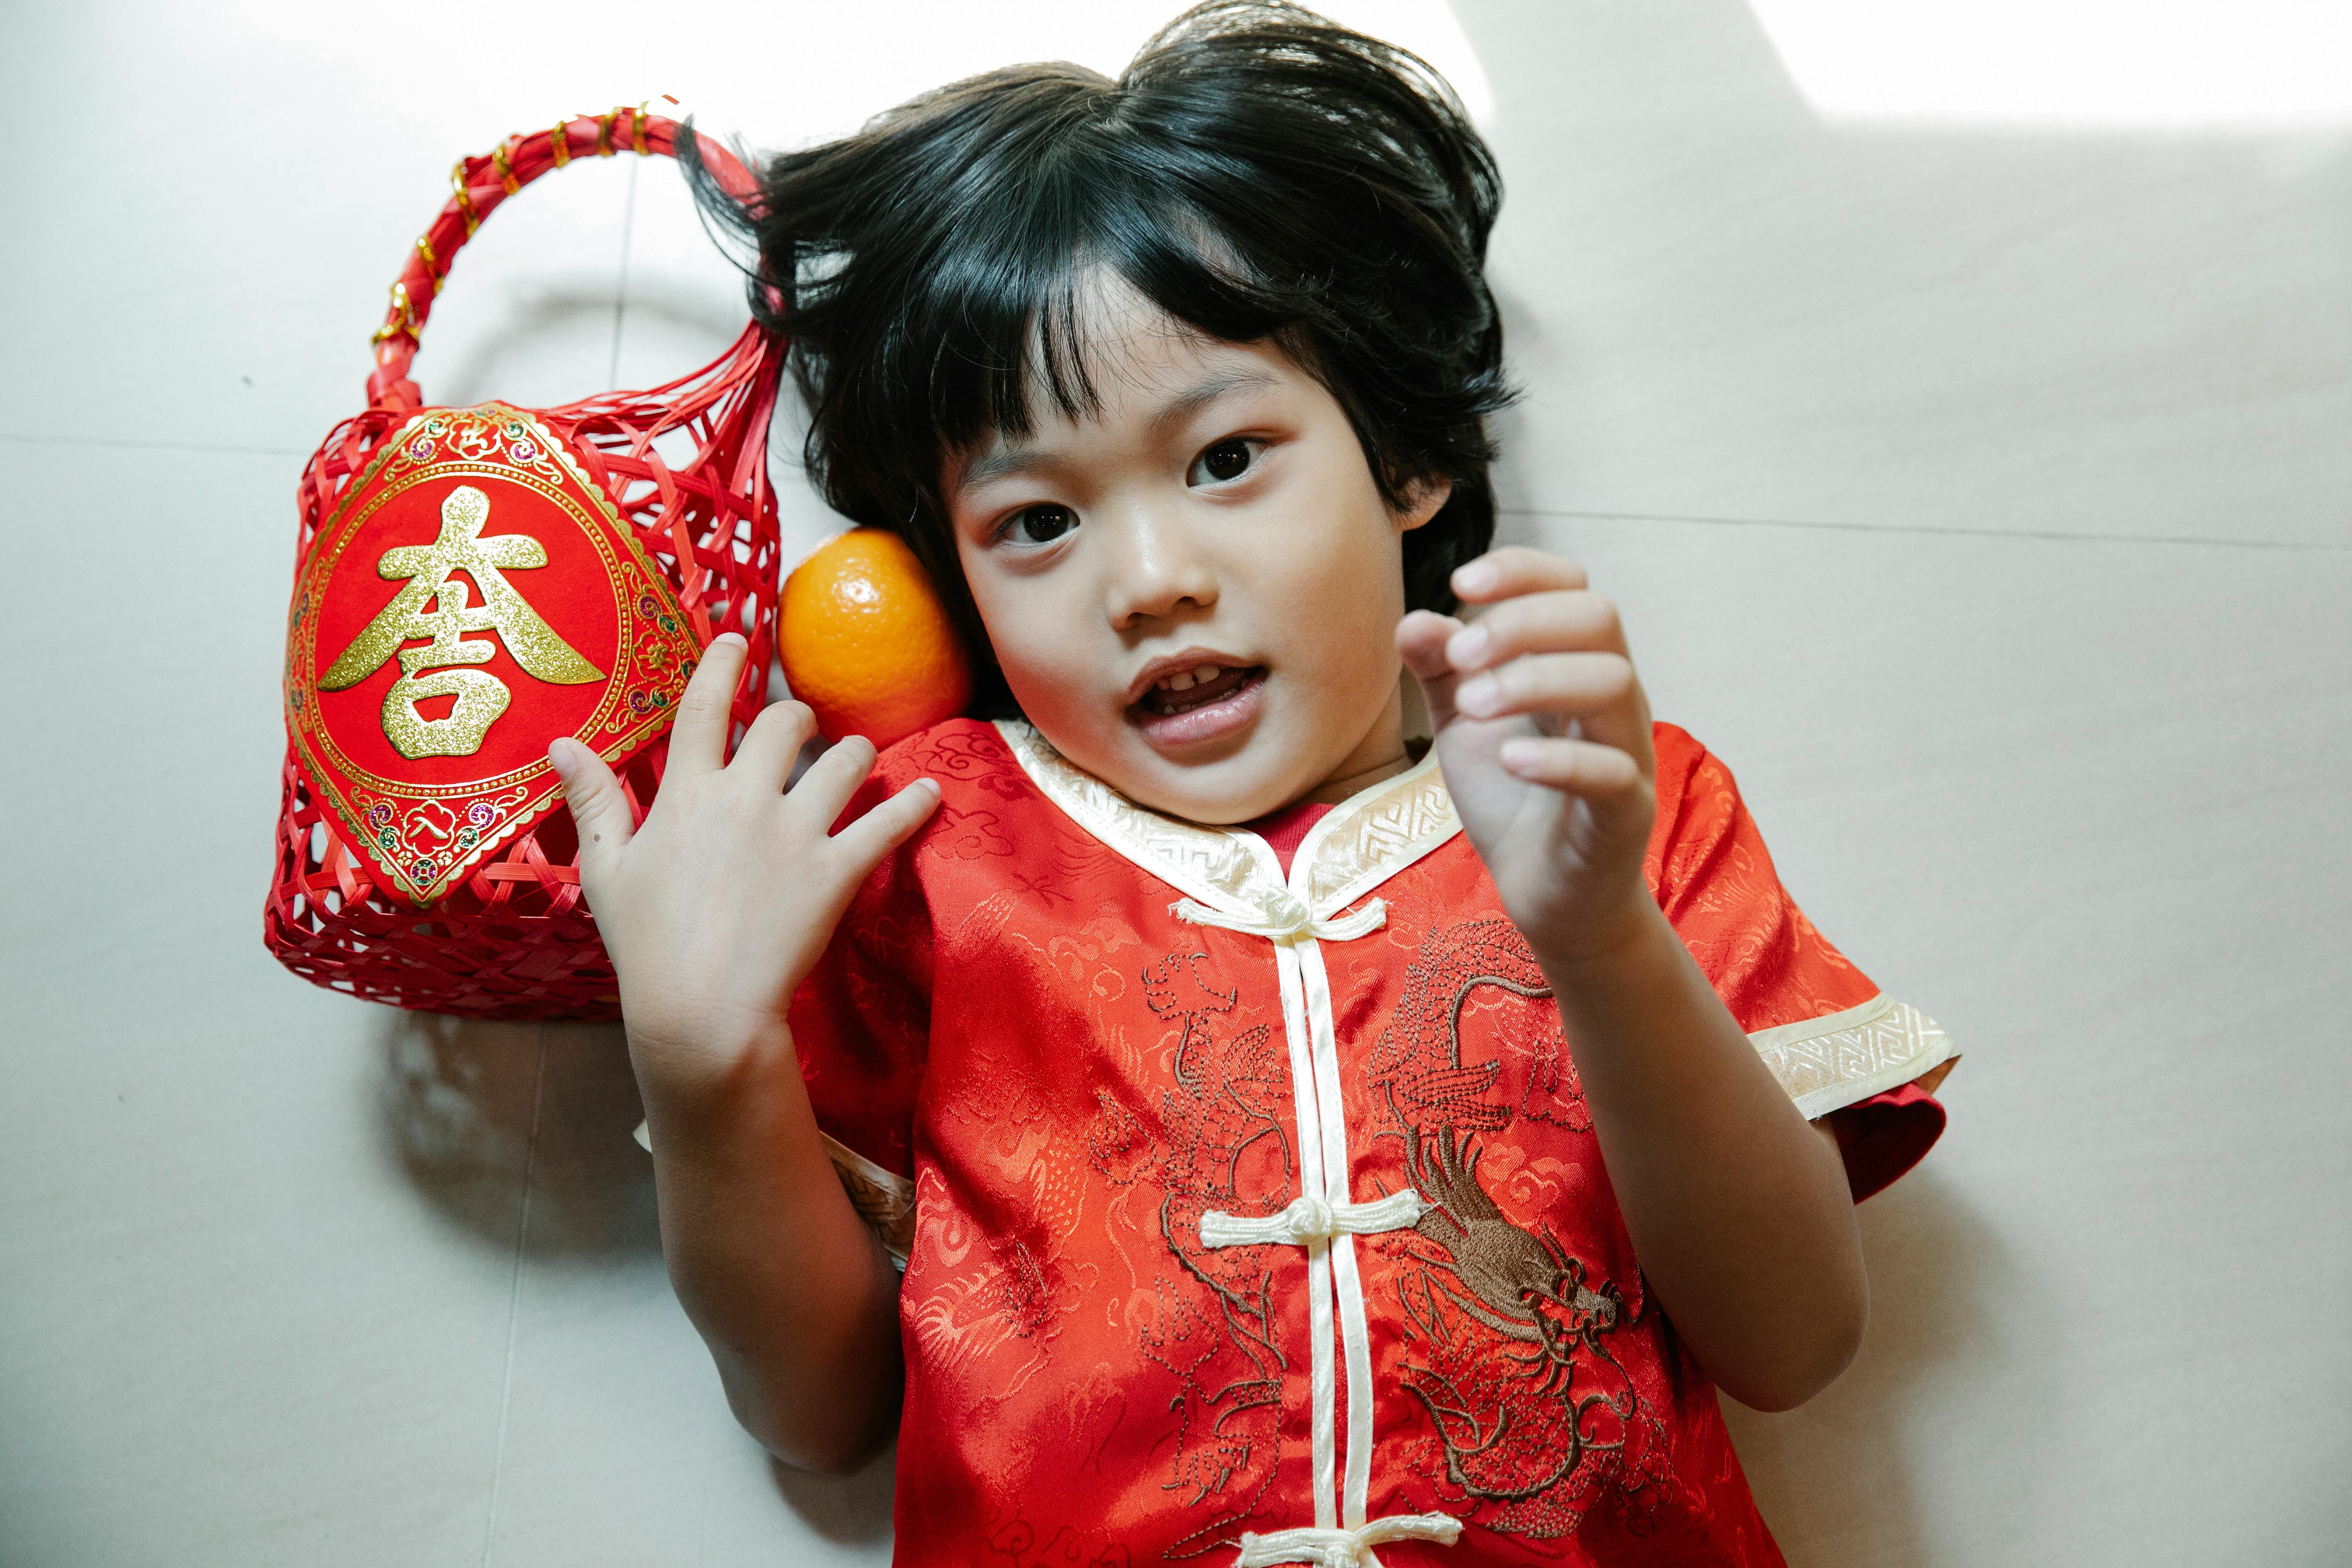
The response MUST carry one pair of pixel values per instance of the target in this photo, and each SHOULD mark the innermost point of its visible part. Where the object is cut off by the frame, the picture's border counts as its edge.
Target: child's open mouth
(1200, 703)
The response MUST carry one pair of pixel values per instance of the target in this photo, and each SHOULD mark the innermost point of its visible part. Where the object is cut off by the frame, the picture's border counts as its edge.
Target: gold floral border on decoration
(399, 466)
(436, 443)
(1833, 1061)
(607, 714)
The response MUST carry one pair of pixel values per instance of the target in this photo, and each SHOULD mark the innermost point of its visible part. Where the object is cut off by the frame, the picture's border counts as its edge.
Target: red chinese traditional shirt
(1254, 1213)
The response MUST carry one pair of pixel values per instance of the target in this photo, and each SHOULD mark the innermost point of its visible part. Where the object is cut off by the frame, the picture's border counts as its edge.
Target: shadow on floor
(476, 1111)
(847, 1511)
(1841, 1479)
(562, 311)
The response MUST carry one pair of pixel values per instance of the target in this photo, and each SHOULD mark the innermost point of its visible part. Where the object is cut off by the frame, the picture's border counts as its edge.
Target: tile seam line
(514, 1300)
(620, 284)
(149, 445)
(2057, 535)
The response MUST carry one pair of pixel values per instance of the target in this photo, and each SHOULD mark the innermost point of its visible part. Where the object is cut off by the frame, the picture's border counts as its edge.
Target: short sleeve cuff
(1840, 1059)
(883, 1199)
(1881, 1138)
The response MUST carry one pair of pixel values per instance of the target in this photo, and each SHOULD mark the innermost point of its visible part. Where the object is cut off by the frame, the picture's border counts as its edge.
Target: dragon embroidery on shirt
(1525, 1289)
(1216, 1141)
(1531, 1417)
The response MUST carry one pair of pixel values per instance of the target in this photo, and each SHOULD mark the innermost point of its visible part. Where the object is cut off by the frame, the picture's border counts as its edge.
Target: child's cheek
(1344, 593)
(1064, 687)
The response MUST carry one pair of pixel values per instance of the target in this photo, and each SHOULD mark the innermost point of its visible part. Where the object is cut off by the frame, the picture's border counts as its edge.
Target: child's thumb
(1421, 639)
(598, 807)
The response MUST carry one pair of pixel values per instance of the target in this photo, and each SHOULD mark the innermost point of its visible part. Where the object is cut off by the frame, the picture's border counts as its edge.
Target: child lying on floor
(1300, 1143)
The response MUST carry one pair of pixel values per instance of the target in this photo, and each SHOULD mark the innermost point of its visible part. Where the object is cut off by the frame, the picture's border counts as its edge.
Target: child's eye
(1040, 524)
(1222, 460)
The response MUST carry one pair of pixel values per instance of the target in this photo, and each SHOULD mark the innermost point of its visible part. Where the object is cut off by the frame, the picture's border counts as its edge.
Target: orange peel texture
(866, 642)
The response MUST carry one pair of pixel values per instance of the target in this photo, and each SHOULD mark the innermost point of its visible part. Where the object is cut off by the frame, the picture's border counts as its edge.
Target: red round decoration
(472, 597)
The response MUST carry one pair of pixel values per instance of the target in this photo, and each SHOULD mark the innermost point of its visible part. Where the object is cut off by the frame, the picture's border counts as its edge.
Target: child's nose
(1159, 574)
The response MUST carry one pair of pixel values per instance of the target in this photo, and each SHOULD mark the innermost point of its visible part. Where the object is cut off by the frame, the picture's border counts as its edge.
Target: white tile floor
(1983, 494)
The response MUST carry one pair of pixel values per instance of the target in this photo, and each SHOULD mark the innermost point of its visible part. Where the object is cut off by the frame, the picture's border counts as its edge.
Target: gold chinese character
(481, 696)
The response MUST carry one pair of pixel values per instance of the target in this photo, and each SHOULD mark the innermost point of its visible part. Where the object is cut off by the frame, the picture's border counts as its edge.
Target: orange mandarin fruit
(866, 642)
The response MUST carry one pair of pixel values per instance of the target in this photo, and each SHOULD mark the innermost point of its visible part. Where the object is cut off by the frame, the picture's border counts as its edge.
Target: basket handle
(480, 184)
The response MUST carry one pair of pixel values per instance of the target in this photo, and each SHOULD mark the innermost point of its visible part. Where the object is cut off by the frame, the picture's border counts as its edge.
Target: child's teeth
(1169, 686)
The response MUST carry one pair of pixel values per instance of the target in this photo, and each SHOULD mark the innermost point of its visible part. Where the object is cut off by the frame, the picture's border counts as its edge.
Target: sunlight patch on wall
(2253, 65)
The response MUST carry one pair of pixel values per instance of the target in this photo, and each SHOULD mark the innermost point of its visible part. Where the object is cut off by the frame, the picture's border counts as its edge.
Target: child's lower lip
(1208, 721)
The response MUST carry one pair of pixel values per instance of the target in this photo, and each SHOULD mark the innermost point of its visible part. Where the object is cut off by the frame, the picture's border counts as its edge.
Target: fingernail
(735, 637)
(930, 783)
(1478, 697)
(559, 757)
(1519, 755)
(1474, 578)
(1467, 648)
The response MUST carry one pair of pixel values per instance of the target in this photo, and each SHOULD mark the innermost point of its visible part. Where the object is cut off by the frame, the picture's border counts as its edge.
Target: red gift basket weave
(471, 584)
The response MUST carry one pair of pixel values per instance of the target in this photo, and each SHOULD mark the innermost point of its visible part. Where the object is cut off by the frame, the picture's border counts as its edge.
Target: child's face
(1194, 593)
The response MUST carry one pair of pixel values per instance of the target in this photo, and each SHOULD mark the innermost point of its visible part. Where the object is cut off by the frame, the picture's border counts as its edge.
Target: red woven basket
(406, 880)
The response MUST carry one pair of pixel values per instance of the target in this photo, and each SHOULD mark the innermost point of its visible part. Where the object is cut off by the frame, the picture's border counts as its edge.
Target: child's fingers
(1420, 640)
(698, 739)
(1560, 653)
(773, 742)
(1584, 768)
(1555, 622)
(1513, 570)
(833, 778)
(1421, 637)
(599, 808)
(867, 840)
(1573, 685)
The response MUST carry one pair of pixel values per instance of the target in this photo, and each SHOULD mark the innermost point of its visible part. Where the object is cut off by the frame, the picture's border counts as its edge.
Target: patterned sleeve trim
(1831, 1062)
(883, 1199)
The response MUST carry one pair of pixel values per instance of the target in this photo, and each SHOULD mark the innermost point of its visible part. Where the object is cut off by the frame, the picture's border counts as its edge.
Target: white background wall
(1981, 488)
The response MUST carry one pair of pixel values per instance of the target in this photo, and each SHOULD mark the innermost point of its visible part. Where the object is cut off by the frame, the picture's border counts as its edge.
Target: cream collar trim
(1356, 845)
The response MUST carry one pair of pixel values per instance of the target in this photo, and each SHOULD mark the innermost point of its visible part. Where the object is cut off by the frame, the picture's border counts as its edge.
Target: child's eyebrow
(1201, 394)
(995, 466)
(1006, 460)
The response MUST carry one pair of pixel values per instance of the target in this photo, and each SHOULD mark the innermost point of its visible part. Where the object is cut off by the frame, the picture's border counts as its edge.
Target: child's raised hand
(718, 906)
(1544, 734)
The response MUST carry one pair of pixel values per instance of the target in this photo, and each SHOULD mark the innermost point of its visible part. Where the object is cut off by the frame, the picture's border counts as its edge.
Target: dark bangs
(1256, 173)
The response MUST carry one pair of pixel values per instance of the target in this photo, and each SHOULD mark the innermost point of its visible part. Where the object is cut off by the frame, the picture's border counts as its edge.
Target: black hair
(1255, 172)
